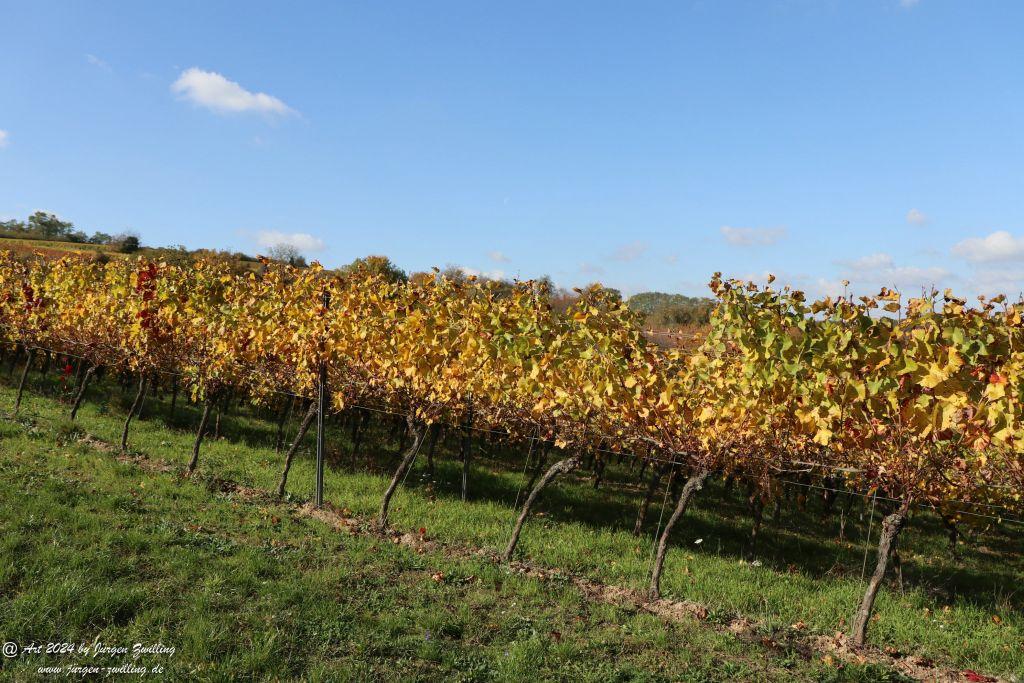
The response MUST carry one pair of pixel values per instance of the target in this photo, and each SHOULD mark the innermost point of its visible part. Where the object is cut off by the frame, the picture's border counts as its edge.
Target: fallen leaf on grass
(976, 677)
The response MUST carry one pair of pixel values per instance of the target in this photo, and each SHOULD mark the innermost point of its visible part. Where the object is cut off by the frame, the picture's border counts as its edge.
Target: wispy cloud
(489, 274)
(916, 217)
(871, 262)
(907, 4)
(498, 257)
(998, 246)
(213, 91)
(587, 268)
(3, 138)
(302, 241)
(881, 269)
(97, 62)
(629, 252)
(824, 286)
(749, 237)
(991, 281)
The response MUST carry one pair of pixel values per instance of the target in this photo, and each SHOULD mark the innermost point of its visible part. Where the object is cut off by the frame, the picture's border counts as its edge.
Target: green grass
(95, 547)
(29, 243)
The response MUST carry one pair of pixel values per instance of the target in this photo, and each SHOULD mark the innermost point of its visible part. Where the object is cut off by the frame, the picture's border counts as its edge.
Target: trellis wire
(669, 461)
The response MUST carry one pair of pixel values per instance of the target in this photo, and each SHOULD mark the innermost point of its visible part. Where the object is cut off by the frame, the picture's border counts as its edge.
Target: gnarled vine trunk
(174, 396)
(540, 465)
(24, 376)
(560, 467)
(81, 391)
(286, 412)
(435, 431)
(416, 430)
(953, 529)
(290, 455)
(465, 449)
(693, 484)
(136, 404)
(652, 487)
(756, 504)
(199, 436)
(891, 527)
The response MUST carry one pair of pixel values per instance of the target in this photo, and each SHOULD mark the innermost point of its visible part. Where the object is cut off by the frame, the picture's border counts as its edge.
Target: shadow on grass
(805, 541)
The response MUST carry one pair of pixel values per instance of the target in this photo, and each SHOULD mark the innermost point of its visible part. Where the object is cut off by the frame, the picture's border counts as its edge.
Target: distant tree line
(42, 225)
(672, 310)
(661, 310)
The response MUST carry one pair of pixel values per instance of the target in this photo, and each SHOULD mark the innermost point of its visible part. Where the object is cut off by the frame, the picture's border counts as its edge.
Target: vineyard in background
(916, 402)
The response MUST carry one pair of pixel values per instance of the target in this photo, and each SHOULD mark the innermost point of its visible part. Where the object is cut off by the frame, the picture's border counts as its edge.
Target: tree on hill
(380, 265)
(49, 225)
(668, 310)
(101, 238)
(287, 253)
(12, 226)
(127, 243)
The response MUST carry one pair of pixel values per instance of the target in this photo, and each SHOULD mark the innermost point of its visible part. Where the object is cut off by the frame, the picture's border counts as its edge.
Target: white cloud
(302, 241)
(999, 246)
(748, 237)
(211, 90)
(880, 270)
(826, 287)
(916, 217)
(872, 262)
(992, 281)
(498, 257)
(96, 61)
(629, 252)
(489, 274)
(913, 276)
(3, 138)
(907, 4)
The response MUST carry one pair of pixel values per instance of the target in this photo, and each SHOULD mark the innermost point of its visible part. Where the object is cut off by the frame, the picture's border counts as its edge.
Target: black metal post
(320, 415)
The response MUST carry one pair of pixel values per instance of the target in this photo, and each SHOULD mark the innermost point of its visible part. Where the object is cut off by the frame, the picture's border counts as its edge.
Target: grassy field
(94, 547)
(21, 242)
(55, 248)
(59, 248)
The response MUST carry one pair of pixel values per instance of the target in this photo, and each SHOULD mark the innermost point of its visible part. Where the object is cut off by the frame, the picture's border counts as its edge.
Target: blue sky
(644, 145)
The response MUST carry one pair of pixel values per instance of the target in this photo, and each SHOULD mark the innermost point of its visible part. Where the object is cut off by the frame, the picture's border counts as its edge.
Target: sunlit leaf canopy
(918, 400)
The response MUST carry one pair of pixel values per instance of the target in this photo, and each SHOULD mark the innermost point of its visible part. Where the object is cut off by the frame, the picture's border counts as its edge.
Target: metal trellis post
(320, 414)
